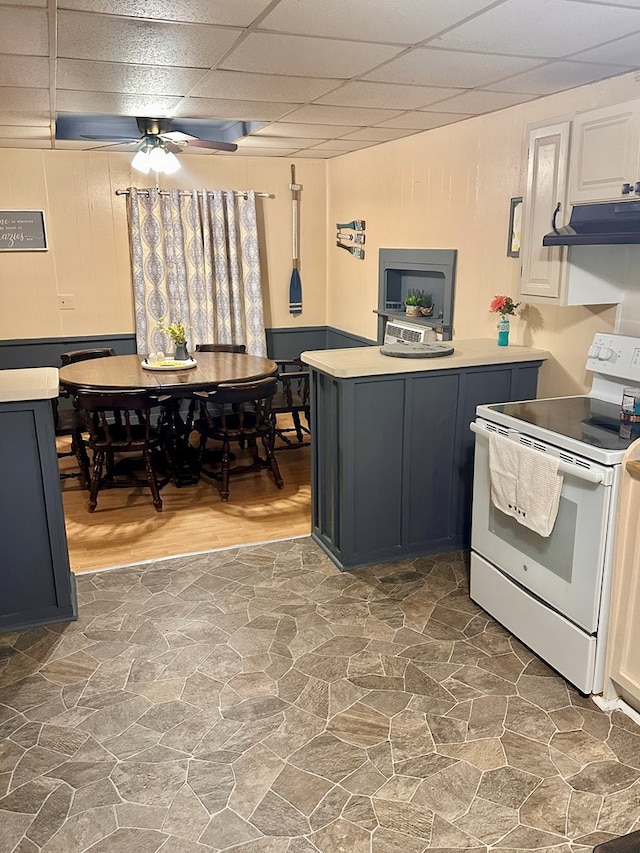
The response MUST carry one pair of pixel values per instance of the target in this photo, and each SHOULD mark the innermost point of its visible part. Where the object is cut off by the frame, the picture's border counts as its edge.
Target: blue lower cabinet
(36, 584)
(392, 463)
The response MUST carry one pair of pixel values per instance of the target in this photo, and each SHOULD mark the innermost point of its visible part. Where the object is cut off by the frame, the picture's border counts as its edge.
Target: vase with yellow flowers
(178, 334)
(505, 306)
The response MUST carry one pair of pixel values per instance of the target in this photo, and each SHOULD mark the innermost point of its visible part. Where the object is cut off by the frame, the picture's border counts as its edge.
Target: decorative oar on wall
(295, 284)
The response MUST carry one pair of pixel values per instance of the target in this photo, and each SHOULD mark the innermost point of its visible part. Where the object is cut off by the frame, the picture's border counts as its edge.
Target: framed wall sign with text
(22, 231)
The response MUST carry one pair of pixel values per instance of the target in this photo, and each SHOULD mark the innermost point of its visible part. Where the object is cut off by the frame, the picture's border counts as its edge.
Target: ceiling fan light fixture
(157, 157)
(153, 156)
(141, 162)
(171, 163)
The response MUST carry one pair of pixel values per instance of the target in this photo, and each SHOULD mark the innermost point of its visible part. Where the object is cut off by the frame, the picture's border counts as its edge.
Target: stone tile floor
(256, 700)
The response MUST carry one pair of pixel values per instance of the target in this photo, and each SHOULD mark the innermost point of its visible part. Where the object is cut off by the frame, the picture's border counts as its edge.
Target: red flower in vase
(503, 305)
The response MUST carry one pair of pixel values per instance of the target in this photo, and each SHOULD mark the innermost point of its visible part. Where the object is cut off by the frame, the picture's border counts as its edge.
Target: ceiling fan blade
(178, 136)
(171, 146)
(125, 145)
(117, 140)
(211, 143)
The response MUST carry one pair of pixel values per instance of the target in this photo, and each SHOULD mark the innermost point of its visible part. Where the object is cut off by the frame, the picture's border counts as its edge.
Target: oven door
(565, 569)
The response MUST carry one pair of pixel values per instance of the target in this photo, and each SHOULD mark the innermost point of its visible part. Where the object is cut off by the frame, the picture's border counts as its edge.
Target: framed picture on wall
(515, 227)
(22, 231)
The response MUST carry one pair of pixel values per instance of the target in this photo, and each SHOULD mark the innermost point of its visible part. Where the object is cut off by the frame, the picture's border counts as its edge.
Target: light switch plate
(66, 301)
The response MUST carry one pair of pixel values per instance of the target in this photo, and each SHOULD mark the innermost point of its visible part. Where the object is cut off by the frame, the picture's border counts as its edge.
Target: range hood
(598, 225)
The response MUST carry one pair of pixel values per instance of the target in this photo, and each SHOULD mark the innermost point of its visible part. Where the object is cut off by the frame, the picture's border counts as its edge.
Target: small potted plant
(426, 309)
(413, 302)
(178, 334)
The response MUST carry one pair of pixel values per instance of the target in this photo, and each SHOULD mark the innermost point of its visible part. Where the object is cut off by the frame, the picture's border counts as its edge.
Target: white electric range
(553, 593)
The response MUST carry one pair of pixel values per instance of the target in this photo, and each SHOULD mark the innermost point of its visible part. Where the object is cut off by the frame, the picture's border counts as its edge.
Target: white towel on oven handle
(525, 484)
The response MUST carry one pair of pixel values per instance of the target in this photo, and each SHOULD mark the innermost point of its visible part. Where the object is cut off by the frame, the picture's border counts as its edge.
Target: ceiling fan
(156, 140)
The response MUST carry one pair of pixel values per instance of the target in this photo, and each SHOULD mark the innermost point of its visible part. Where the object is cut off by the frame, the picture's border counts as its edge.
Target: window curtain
(195, 259)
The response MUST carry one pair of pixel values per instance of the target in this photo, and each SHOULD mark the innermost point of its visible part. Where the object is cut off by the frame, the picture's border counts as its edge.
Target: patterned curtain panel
(195, 259)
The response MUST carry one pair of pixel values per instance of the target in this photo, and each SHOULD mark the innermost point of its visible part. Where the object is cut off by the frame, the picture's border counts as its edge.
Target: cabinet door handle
(626, 189)
(554, 217)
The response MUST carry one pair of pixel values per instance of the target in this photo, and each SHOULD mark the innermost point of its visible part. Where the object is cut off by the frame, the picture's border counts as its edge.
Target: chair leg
(271, 461)
(297, 425)
(153, 481)
(82, 457)
(224, 472)
(202, 446)
(96, 477)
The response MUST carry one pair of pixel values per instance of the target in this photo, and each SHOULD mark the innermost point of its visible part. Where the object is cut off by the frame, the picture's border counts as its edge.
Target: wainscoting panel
(281, 343)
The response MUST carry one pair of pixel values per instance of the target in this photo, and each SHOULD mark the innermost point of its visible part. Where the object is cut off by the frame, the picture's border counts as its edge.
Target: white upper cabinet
(543, 268)
(557, 275)
(605, 155)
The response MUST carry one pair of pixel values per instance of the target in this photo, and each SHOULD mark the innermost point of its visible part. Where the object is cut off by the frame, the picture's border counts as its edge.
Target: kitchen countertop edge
(352, 362)
(28, 383)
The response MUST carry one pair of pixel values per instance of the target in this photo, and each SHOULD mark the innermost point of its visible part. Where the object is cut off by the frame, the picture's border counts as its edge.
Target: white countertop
(29, 383)
(368, 361)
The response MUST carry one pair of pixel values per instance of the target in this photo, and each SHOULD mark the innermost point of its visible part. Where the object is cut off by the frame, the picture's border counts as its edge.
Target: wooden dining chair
(119, 424)
(239, 349)
(72, 356)
(238, 413)
(292, 399)
(67, 421)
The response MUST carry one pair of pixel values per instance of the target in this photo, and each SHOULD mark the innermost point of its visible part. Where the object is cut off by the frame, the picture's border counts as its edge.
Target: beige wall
(88, 247)
(449, 189)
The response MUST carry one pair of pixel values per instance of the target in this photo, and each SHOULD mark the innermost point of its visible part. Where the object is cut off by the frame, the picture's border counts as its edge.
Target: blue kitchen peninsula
(36, 584)
(392, 452)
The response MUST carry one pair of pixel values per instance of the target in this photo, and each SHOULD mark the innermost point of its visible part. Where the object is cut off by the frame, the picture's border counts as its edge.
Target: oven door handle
(563, 467)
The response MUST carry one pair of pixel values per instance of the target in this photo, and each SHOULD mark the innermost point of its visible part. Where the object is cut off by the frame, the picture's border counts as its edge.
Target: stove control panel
(615, 356)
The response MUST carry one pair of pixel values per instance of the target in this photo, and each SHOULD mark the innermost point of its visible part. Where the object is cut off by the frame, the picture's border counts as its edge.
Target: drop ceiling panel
(340, 115)
(375, 134)
(415, 121)
(389, 95)
(259, 87)
(306, 57)
(265, 152)
(28, 133)
(425, 65)
(310, 69)
(275, 142)
(624, 51)
(404, 21)
(87, 36)
(633, 3)
(243, 110)
(70, 101)
(24, 31)
(18, 70)
(80, 74)
(310, 131)
(24, 106)
(230, 12)
(477, 101)
(343, 145)
(553, 28)
(556, 77)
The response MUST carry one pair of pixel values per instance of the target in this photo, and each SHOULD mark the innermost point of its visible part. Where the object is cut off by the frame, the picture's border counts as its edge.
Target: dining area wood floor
(126, 529)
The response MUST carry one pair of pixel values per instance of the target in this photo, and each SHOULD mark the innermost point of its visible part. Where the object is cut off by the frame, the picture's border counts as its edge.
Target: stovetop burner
(586, 419)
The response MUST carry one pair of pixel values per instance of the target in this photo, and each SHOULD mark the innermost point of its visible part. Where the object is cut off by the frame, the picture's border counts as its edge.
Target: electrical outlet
(66, 301)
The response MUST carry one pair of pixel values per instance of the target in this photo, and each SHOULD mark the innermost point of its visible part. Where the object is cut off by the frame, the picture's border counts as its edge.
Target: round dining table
(126, 373)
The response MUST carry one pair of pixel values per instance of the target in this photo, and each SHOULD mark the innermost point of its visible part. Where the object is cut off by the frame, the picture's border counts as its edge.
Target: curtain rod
(199, 192)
